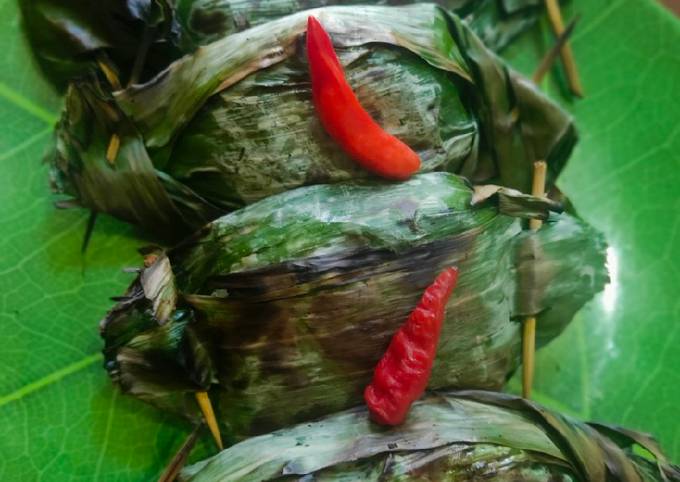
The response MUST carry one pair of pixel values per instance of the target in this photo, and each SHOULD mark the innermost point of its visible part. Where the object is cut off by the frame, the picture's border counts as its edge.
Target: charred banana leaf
(69, 35)
(234, 123)
(448, 436)
(282, 309)
(204, 21)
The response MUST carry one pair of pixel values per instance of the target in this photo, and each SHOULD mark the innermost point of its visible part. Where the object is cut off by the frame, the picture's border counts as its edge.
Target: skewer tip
(567, 55)
(177, 462)
(549, 58)
(209, 415)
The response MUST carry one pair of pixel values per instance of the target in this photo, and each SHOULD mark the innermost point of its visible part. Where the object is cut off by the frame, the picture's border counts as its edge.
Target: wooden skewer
(89, 229)
(209, 415)
(172, 470)
(138, 66)
(528, 351)
(529, 327)
(109, 73)
(538, 189)
(555, 17)
(114, 81)
(549, 58)
(112, 150)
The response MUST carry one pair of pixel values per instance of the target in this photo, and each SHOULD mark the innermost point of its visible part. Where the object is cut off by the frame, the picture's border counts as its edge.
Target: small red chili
(346, 120)
(402, 374)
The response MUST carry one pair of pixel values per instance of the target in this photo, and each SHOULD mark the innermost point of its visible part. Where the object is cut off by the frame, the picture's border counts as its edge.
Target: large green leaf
(618, 360)
(59, 418)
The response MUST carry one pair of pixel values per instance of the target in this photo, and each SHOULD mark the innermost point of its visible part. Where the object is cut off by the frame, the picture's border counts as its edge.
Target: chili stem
(529, 328)
(209, 414)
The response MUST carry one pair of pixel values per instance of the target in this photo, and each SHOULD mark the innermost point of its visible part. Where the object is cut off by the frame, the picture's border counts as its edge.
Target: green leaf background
(618, 362)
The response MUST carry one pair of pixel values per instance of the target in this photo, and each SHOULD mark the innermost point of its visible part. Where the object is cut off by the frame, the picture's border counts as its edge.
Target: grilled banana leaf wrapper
(282, 309)
(449, 436)
(68, 36)
(234, 122)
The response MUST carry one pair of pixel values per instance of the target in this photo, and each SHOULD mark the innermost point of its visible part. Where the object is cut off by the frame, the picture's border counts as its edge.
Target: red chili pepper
(402, 374)
(346, 120)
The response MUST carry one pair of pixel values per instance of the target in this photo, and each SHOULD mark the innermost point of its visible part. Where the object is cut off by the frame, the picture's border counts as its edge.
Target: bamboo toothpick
(177, 463)
(529, 327)
(555, 17)
(114, 81)
(538, 189)
(109, 72)
(138, 66)
(112, 150)
(89, 229)
(549, 58)
(209, 415)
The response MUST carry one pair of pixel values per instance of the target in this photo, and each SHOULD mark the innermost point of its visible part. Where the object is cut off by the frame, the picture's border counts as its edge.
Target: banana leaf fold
(69, 36)
(234, 123)
(282, 309)
(448, 436)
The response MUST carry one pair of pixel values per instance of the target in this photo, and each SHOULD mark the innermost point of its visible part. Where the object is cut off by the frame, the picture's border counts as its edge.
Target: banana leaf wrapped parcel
(234, 122)
(282, 309)
(449, 436)
(68, 36)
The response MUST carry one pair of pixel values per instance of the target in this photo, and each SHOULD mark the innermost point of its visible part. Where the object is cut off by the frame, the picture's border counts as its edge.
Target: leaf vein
(27, 105)
(109, 424)
(28, 142)
(50, 379)
(597, 20)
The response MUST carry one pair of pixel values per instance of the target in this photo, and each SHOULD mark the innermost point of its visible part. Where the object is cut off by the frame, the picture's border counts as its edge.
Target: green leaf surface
(618, 360)
(61, 420)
